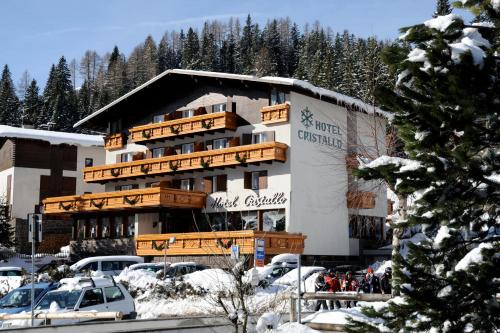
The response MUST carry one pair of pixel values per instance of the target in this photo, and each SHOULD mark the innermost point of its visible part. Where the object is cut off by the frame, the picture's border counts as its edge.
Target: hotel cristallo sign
(247, 200)
(319, 132)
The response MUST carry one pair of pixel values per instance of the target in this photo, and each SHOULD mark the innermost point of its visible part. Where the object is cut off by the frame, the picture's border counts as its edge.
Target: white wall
(99, 156)
(26, 190)
(319, 179)
(144, 223)
(3, 182)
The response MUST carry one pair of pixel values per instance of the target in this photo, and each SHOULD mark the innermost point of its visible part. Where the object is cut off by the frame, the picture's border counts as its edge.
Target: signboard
(35, 227)
(318, 132)
(246, 200)
(260, 252)
(235, 252)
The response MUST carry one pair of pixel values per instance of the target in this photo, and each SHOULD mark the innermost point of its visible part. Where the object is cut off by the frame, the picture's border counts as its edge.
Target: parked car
(182, 268)
(275, 272)
(291, 277)
(152, 266)
(11, 271)
(109, 265)
(84, 294)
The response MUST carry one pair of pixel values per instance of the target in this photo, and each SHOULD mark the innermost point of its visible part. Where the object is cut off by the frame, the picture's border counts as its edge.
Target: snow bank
(210, 279)
(291, 277)
(268, 320)
(473, 257)
(53, 137)
(294, 328)
(139, 279)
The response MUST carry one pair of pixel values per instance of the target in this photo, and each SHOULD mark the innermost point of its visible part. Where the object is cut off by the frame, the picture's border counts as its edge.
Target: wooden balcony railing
(217, 243)
(261, 152)
(184, 126)
(274, 114)
(114, 141)
(132, 199)
(360, 200)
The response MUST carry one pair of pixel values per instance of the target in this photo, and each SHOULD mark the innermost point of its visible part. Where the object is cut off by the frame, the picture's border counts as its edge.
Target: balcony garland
(160, 247)
(144, 168)
(240, 159)
(224, 243)
(172, 166)
(204, 164)
(175, 130)
(207, 125)
(95, 204)
(67, 207)
(146, 134)
(132, 202)
(115, 172)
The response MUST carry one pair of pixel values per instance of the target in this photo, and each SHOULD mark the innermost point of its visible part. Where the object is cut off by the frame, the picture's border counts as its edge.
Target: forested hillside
(338, 61)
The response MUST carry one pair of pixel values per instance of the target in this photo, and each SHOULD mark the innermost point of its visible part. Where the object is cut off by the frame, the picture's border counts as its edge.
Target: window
(91, 266)
(118, 226)
(128, 187)
(93, 228)
(250, 220)
(277, 97)
(110, 265)
(259, 137)
(152, 184)
(106, 230)
(187, 113)
(89, 162)
(113, 294)
(187, 184)
(215, 183)
(127, 157)
(220, 143)
(256, 180)
(131, 226)
(115, 127)
(187, 148)
(92, 297)
(219, 107)
(158, 118)
(158, 152)
(273, 220)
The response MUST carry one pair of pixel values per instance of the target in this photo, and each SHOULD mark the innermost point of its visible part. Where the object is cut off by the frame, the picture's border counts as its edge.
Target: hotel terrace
(217, 159)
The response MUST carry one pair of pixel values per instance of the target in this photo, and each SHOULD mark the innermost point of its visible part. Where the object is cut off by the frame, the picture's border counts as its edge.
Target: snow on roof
(78, 283)
(340, 99)
(285, 257)
(10, 268)
(53, 137)
(291, 277)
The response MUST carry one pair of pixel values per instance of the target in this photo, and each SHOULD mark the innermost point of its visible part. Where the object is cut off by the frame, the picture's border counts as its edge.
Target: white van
(109, 265)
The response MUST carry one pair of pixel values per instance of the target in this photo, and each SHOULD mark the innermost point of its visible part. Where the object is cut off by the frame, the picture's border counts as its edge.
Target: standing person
(371, 283)
(333, 284)
(350, 283)
(385, 281)
(320, 285)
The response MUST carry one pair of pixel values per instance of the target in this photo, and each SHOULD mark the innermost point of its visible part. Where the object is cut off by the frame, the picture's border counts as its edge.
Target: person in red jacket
(349, 283)
(333, 286)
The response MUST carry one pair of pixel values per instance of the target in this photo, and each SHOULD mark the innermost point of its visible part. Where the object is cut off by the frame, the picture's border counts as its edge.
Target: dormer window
(187, 113)
(158, 118)
(219, 107)
(277, 97)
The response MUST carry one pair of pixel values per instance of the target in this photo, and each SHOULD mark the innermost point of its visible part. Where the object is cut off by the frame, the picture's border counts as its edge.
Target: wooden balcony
(360, 200)
(218, 243)
(184, 126)
(217, 158)
(121, 200)
(114, 141)
(275, 113)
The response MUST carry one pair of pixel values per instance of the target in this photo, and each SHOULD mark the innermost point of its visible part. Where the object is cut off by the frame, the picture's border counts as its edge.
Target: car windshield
(11, 273)
(63, 299)
(18, 298)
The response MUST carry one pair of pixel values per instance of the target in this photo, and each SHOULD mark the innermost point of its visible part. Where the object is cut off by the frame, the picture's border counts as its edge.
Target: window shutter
(168, 116)
(209, 144)
(118, 188)
(199, 146)
(191, 183)
(135, 186)
(200, 111)
(149, 153)
(246, 138)
(138, 156)
(207, 185)
(222, 183)
(178, 149)
(248, 180)
(164, 183)
(269, 136)
(234, 142)
(262, 180)
(118, 158)
(176, 183)
(169, 151)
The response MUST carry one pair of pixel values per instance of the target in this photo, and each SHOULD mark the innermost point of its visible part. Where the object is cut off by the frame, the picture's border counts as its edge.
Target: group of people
(332, 281)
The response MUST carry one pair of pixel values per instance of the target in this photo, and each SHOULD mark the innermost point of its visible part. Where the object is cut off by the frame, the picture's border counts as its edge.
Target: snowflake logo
(306, 118)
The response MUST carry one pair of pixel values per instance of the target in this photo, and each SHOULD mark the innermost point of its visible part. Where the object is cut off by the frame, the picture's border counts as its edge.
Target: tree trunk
(397, 232)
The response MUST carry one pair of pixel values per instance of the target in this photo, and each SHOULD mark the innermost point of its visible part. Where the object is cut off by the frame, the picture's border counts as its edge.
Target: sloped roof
(294, 84)
(52, 137)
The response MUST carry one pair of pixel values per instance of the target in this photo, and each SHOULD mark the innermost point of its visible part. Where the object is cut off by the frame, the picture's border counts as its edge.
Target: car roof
(83, 282)
(42, 285)
(10, 268)
(184, 263)
(85, 261)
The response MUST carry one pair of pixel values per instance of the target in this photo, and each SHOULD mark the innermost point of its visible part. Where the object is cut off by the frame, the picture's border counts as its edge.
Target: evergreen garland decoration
(207, 125)
(173, 166)
(240, 159)
(204, 164)
(175, 129)
(95, 204)
(115, 172)
(66, 207)
(146, 133)
(226, 244)
(131, 201)
(144, 168)
(159, 247)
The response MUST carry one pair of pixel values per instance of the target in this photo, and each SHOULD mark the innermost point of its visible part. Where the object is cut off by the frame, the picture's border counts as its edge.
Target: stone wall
(51, 230)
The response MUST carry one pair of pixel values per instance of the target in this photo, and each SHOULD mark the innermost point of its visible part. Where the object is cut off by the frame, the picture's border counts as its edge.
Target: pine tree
(247, 47)
(442, 8)
(6, 229)
(150, 58)
(32, 104)
(163, 50)
(191, 51)
(116, 76)
(9, 103)
(446, 112)
(208, 50)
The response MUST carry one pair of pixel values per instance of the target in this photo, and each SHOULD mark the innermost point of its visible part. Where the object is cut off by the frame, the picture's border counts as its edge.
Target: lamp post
(165, 247)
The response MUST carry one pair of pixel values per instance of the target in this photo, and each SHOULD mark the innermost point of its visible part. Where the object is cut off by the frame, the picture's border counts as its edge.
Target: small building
(36, 164)
(217, 160)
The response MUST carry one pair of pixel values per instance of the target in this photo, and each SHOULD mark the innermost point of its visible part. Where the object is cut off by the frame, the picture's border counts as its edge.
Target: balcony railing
(120, 200)
(114, 141)
(274, 114)
(254, 153)
(360, 200)
(184, 126)
(220, 242)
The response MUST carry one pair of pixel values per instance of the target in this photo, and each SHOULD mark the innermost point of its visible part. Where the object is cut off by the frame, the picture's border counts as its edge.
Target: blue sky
(34, 34)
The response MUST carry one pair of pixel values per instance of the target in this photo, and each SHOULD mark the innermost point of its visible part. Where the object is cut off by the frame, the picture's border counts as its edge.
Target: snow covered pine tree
(446, 105)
